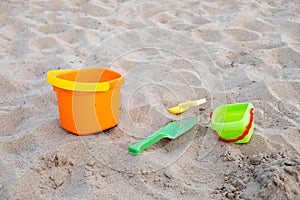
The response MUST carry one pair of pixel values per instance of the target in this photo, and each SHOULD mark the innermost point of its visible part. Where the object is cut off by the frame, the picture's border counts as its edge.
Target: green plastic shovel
(172, 131)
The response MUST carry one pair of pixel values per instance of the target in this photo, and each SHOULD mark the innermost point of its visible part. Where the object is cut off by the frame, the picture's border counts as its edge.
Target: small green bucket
(233, 122)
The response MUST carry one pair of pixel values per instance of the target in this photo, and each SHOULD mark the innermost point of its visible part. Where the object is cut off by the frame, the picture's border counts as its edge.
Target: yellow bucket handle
(74, 86)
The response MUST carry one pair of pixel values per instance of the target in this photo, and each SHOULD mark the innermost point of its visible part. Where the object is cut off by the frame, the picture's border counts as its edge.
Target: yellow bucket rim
(77, 86)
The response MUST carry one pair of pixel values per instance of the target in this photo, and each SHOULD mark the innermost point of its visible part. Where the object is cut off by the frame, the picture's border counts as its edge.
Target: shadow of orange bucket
(88, 99)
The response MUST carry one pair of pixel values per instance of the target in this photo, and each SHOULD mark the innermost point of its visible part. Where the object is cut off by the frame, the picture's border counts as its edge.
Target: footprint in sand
(54, 28)
(43, 43)
(121, 23)
(209, 35)
(74, 36)
(181, 25)
(55, 5)
(242, 35)
(55, 17)
(253, 25)
(164, 18)
(88, 22)
(95, 10)
(148, 10)
(127, 14)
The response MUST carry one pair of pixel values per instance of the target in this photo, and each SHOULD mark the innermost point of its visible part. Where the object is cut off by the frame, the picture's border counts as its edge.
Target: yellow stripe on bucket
(72, 85)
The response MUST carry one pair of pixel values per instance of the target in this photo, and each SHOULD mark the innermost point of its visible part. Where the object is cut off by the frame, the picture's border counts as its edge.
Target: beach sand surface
(169, 51)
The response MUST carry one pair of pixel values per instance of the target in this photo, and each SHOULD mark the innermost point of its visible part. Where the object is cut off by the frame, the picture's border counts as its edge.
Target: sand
(169, 51)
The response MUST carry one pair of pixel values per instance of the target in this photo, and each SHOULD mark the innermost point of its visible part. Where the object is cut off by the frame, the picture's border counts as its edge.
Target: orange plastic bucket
(88, 99)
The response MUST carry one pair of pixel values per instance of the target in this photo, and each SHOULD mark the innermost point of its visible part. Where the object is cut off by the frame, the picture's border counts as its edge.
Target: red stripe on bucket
(241, 136)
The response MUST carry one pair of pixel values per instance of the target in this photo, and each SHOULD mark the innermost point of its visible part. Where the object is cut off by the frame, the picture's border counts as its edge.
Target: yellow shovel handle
(192, 103)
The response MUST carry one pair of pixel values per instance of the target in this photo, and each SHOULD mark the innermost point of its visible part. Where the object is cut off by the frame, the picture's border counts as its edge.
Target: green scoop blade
(171, 131)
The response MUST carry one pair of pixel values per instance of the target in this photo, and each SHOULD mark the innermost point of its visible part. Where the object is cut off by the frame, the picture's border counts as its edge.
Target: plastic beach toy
(88, 99)
(182, 107)
(171, 131)
(233, 122)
